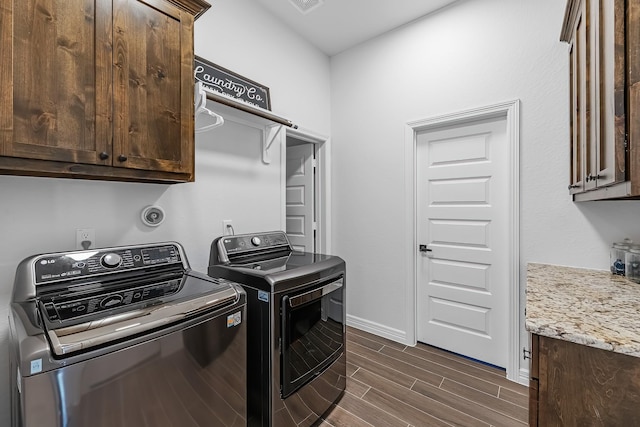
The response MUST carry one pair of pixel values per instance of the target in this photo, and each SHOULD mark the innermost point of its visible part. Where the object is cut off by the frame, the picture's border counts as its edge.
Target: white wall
(471, 54)
(241, 36)
(41, 215)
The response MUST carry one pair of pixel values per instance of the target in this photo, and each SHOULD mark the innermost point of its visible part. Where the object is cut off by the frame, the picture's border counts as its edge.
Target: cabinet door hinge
(526, 354)
(626, 141)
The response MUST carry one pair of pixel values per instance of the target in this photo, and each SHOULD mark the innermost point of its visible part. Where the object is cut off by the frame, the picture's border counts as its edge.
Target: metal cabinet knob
(104, 156)
(122, 158)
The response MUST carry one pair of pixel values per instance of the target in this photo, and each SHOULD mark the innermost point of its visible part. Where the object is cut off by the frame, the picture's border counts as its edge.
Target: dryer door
(313, 333)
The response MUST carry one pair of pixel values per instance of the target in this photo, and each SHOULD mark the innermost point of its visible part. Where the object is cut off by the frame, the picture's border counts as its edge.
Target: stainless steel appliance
(296, 326)
(125, 336)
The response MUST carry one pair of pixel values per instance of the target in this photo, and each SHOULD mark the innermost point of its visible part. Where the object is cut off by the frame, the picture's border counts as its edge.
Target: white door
(463, 219)
(300, 197)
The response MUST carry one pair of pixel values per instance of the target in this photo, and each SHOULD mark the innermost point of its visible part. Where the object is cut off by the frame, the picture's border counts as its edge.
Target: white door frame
(511, 111)
(323, 184)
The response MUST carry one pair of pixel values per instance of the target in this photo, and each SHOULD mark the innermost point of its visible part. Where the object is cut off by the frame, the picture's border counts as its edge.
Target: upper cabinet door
(577, 87)
(633, 70)
(608, 90)
(153, 86)
(597, 32)
(54, 99)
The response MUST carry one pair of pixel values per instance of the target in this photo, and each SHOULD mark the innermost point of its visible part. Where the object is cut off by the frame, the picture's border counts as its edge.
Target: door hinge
(526, 354)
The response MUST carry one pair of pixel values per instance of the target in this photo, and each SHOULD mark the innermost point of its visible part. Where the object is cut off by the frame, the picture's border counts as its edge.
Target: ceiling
(336, 25)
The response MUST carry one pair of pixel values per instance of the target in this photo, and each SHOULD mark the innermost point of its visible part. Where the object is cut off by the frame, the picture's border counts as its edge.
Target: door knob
(424, 248)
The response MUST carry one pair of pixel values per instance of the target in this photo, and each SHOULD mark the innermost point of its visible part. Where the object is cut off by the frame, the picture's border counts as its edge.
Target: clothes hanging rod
(265, 114)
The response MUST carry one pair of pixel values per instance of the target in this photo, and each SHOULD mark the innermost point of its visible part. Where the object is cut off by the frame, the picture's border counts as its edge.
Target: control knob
(111, 260)
(256, 241)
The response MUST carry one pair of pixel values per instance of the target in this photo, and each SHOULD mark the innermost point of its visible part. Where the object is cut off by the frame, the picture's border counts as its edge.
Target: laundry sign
(233, 85)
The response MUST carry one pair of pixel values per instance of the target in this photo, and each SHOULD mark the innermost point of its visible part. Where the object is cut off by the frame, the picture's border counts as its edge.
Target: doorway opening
(306, 201)
(451, 186)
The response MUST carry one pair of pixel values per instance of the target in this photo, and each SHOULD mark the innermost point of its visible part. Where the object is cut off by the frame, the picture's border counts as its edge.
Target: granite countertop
(590, 307)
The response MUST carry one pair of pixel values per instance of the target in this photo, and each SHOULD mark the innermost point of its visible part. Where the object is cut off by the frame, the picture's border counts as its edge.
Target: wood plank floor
(390, 384)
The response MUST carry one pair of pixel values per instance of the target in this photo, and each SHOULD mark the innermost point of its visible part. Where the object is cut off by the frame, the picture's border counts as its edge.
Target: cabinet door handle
(571, 187)
(104, 156)
(122, 158)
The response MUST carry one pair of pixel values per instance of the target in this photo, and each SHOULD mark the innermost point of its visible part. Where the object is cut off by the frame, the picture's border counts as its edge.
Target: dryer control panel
(255, 242)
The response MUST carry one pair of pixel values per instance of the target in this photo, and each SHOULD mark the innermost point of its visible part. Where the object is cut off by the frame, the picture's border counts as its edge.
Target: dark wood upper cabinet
(600, 33)
(98, 89)
(60, 105)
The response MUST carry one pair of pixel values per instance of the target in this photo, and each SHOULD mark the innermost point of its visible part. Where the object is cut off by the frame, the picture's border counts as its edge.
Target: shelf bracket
(270, 134)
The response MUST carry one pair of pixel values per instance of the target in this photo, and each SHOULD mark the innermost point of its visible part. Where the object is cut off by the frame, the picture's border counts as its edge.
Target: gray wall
(471, 54)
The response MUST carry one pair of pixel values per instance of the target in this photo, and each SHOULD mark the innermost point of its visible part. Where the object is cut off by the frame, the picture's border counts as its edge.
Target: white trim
(511, 110)
(411, 227)
(377, 329)
(324, 168)
(524, 377)
(307, 136)
(283, 180)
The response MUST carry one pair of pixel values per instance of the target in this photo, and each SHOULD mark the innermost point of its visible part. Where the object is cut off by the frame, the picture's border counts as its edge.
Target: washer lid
(301, 261)
(197, 294)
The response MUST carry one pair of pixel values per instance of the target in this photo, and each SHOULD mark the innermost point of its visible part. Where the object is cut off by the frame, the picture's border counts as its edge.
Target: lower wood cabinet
(576, 385)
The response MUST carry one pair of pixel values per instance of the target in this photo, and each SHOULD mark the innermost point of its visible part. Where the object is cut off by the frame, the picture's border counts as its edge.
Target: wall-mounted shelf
(260, 112)
(271, 124)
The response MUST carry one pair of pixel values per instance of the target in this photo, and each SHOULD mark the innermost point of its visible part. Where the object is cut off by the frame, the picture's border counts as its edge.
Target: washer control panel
(81, 264)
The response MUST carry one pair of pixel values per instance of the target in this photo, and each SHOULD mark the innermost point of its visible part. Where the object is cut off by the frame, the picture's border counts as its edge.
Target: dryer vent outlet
(152, 216)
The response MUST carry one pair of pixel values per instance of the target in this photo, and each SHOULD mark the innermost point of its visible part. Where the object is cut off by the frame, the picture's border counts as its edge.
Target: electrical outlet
(227, 227)
(84, 235)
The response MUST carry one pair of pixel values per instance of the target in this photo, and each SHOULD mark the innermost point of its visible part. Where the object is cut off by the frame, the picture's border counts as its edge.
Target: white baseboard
(378, 329)
(524, 377)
